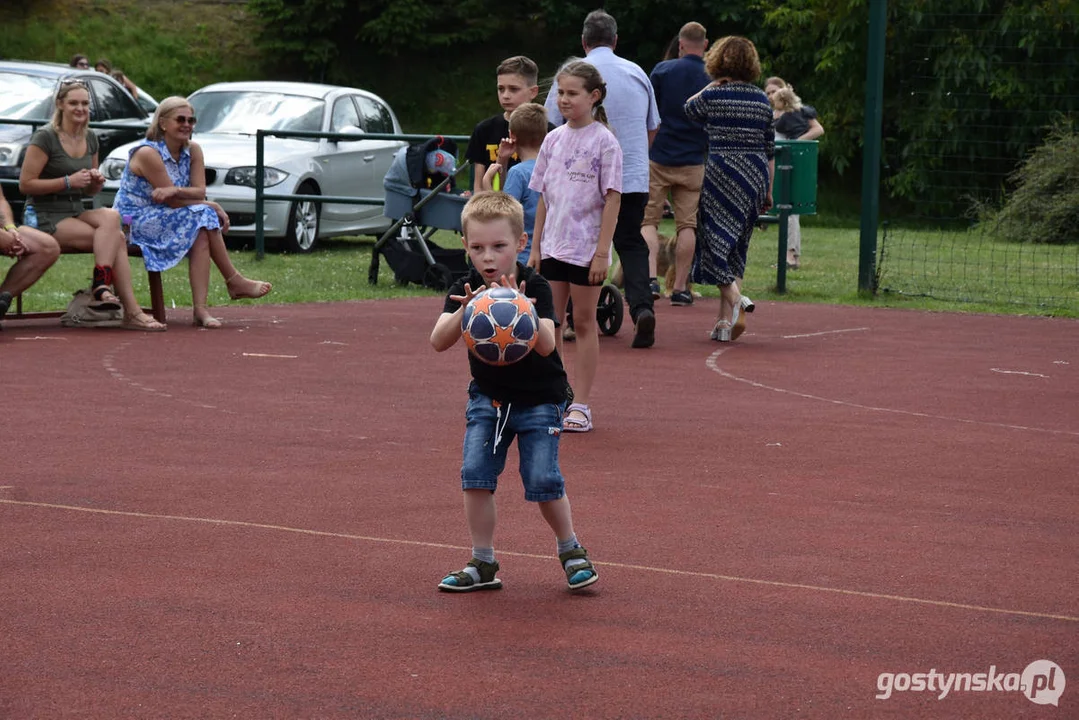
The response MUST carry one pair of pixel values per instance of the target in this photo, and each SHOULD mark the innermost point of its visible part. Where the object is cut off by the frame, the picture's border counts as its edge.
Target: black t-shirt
(795, 123)
(483, 145)
(485, 139)
(535, 379)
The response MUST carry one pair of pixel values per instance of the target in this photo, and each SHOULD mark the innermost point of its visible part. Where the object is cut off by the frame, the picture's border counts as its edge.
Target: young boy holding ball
(526, 399)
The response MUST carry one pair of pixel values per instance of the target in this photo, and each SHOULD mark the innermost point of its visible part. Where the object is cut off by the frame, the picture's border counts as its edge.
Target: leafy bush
(1044, 207)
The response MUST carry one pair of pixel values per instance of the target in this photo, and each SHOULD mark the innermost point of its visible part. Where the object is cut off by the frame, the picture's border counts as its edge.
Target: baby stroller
(418, 189)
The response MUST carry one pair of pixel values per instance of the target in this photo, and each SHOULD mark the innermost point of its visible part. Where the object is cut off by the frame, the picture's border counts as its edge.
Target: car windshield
(25, 97)
(245, 112)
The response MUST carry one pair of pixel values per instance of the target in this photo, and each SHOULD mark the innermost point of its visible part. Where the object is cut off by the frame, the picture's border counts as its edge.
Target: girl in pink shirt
(579, 177)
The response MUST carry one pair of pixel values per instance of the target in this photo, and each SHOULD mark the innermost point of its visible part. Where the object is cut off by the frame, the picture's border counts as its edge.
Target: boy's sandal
(142, 322)
(578, 576)
(572, 424)
(462, 581)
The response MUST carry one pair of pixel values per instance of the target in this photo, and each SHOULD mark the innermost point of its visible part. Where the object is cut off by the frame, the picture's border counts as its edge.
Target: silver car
(229, 114)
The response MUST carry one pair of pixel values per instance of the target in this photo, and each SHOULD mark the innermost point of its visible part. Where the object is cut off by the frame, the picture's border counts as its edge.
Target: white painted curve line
(1002, 371)
(270, 355)
(42, 337)
(824, 332)
(711, 363)
(624, 566)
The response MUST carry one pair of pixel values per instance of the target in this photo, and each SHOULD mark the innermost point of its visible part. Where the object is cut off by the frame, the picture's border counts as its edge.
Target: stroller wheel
(437, 277)
(609, 310)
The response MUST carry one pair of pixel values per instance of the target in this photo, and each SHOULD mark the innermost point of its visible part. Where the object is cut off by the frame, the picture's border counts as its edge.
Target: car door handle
(368, 158)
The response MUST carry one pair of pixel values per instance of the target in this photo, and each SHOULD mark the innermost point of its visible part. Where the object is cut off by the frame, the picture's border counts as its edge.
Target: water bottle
(29, 215)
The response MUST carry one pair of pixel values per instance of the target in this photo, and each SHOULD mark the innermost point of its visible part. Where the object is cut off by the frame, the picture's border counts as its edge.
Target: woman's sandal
(207, 320)
(142, 322)
(262, 288)
(462, 581)
(578, 576)
(104, 299)
(572, 424)
(721, 331)
(739, 325)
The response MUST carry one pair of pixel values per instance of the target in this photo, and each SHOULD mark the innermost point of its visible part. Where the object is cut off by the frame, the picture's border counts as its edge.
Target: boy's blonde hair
(528, 123)
(520, 65)
(491, 206)
(784, 100)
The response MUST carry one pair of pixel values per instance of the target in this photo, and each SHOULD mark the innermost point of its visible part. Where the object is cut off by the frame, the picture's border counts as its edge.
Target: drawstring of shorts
(500, 424)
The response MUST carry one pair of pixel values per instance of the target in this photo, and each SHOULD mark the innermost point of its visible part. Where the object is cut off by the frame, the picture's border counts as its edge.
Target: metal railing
(261, 196)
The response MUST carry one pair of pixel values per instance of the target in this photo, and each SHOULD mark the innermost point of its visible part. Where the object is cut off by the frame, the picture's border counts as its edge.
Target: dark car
(27, 90)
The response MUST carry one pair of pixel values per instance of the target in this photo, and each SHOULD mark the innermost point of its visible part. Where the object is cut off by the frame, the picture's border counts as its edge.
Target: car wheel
(301, 235)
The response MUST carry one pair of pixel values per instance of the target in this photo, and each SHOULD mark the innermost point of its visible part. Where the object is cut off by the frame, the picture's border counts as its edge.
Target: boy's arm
(488, 182)
(545, 341)
(448, 326)
(447, 330)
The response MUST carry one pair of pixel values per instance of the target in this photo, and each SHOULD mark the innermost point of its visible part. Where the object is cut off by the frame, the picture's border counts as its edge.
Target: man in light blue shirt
(634, 119)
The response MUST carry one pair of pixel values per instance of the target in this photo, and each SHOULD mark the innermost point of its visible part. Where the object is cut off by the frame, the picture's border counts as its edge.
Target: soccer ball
(500, 326)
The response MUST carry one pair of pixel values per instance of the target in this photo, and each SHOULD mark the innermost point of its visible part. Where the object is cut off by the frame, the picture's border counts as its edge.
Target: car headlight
(113, 168)
(9, 153)
(246, 176)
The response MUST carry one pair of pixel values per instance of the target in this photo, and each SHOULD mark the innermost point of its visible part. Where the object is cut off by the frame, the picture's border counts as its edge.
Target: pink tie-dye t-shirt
(575, 169)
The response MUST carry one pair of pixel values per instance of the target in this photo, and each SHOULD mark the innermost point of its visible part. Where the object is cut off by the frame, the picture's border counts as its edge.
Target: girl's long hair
(592, 80)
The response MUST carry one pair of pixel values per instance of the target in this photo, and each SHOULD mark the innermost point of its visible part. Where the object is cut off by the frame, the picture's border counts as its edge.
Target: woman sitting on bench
(163, 189)
(33, 250)
(60, 168)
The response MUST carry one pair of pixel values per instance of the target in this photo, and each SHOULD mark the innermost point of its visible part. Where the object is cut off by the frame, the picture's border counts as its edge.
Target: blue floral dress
(165, 234)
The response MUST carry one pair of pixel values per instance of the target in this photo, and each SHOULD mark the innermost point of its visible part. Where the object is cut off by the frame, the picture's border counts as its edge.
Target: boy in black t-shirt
(518, 83)
(526, 399)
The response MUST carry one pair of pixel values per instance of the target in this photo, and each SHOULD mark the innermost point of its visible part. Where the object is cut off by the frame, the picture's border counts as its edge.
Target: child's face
(493, 249)
(574, 102)
(514, 91)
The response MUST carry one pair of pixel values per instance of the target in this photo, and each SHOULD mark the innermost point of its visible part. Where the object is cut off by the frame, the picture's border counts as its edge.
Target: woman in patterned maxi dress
(738, 174)
(163, 190)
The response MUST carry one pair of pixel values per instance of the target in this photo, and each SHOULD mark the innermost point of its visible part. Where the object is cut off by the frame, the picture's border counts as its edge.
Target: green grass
(338, 271)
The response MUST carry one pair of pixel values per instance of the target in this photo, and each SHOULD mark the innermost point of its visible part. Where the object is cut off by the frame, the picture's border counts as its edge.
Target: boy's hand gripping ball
(500, 326)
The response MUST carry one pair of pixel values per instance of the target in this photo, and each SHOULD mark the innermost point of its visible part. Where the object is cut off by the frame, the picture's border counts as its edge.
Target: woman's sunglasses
(185, 120)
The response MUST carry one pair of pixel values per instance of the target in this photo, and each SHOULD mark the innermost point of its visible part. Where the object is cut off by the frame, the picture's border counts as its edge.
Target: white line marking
(42, 337)
(332, 342)
(711, 363)
(824, 332)
(1018, 372)
(268, 355)
(624, 566)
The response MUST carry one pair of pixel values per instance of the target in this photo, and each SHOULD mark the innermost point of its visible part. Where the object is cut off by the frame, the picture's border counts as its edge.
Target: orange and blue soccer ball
(500, 326)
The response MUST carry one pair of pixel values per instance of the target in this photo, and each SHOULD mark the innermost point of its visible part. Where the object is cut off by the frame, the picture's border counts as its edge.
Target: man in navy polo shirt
(677, 156)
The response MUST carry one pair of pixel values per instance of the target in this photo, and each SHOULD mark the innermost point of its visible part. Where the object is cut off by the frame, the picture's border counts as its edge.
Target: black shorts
(558, 271)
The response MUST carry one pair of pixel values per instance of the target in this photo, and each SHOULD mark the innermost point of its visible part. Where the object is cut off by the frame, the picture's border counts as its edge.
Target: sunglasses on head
(184, 119)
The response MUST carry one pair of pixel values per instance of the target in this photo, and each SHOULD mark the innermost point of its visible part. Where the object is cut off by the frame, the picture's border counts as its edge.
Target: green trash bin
(801, 155)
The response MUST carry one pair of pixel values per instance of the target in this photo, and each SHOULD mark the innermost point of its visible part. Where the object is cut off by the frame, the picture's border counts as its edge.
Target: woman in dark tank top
(60, 169)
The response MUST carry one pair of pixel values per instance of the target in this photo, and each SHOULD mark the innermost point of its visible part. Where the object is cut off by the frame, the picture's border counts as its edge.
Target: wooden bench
(157, 295)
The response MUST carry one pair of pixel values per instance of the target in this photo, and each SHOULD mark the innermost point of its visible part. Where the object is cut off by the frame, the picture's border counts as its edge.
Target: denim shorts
(537, 429)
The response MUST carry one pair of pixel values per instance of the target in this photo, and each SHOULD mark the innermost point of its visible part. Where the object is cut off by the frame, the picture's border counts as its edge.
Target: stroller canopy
(411, 171)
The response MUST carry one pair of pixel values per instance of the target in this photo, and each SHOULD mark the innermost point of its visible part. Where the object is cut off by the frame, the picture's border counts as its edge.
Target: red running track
(251, 522)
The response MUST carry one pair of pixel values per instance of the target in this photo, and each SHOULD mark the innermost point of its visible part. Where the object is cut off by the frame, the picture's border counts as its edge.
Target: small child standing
(525, 399)
(518, 83)
(579, 176)
(528, 127)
